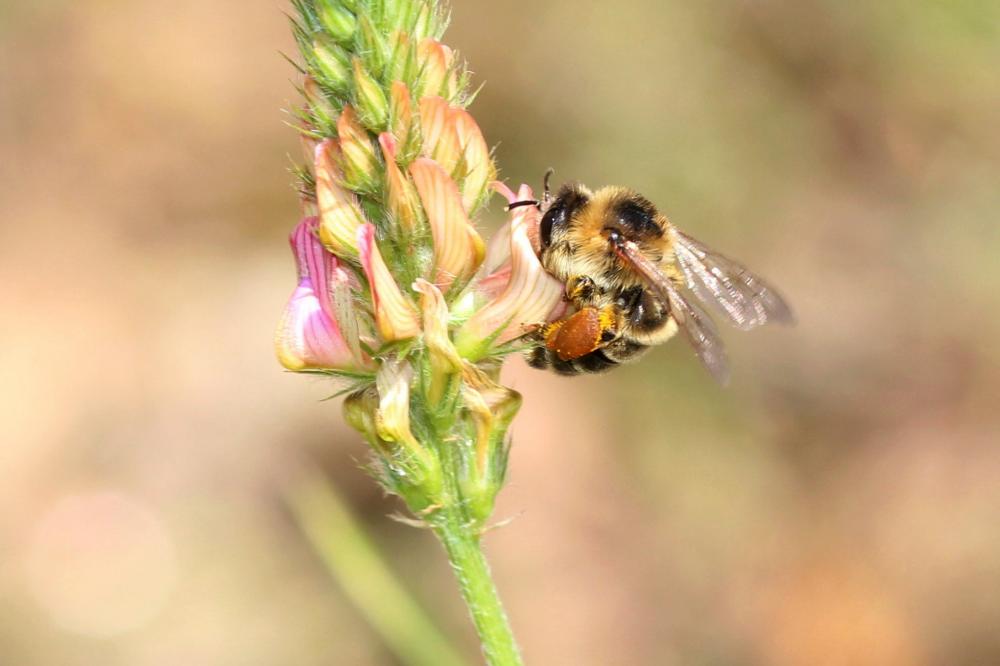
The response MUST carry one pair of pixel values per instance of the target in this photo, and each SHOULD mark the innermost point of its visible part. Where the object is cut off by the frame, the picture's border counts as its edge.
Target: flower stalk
(399, 294)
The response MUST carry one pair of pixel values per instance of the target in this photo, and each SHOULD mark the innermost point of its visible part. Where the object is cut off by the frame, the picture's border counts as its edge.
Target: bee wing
(746, 300)
(697, 326)
(701, 332)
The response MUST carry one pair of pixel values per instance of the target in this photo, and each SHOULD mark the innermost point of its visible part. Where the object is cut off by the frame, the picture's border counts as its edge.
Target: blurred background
(838, 504)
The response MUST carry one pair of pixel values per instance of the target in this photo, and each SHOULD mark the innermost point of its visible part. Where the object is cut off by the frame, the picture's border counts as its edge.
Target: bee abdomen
(600, 360)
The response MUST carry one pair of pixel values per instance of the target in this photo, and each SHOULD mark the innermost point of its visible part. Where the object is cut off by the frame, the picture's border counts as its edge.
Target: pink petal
(308, 336)
(395, 317)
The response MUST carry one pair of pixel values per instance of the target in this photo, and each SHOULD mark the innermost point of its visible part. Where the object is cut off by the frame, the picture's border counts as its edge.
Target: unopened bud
(403, 66)
(360, 411)
(373, 47)
(339, 210)
(426, 22)
(435, 65)
(323, 113)
(401, 197)
(373, 107)
(403, 122)
(338, 20)
(333, 65)
(491, 409)
(359, 162)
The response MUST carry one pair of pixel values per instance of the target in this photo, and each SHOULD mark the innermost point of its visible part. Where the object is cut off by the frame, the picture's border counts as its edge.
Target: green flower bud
(403, 65)
(340, 22)
(358, 160)
(372, 105)
(360, 411)
(426, 23)
(333, 66)
(393, 12)
(372, 47)
(490, 409)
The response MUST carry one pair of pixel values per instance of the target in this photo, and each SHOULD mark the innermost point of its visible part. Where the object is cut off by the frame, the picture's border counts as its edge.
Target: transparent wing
(697, 326)
(745, 299)
(701, 332)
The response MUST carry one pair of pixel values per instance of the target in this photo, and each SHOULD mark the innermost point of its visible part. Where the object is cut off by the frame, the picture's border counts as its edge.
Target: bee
(633, 280)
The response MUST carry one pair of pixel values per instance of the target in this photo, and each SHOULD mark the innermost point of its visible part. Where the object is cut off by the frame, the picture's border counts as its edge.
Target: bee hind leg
(582, 332)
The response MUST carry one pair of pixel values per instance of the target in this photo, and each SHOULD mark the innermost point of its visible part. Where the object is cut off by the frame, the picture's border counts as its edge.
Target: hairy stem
(460, 536)
(480, 594)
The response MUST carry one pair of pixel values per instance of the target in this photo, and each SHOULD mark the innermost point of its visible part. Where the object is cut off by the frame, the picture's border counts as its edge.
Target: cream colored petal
(393, 420)
(441, 141)
(360, 164)
(458, 248)
(531, 296)
(435, 319)
(479, 168)
(395, 317)
(338, 208)
(402, 197)
(435, 60)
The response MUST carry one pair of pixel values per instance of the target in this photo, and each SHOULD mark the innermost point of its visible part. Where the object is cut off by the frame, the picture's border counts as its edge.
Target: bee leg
(582, 332)
(581, 291)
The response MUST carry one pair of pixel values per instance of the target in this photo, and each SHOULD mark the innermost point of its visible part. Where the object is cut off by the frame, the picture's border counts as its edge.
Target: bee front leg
(581, 291)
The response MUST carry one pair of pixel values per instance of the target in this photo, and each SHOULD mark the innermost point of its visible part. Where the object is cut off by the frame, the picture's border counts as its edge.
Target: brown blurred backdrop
(838, 504)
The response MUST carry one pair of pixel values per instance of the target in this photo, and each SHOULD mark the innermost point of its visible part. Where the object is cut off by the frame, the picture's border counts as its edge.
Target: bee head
(570, 201)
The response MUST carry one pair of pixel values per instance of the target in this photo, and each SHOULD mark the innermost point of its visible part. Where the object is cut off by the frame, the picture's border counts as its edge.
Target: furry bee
(633, 280)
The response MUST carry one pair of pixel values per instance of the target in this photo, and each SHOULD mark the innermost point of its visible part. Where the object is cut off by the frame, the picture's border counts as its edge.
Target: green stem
(460, 536)
(354, 561)
(480, 594)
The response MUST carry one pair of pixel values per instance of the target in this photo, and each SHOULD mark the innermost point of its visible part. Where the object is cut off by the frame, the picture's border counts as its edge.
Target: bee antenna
(522, 204)
(548, 193)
